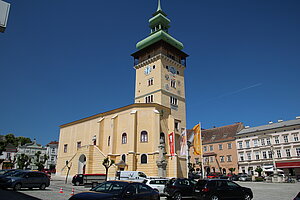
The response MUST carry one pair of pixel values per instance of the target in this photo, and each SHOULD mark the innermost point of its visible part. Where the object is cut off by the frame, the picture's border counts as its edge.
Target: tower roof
(159, 25)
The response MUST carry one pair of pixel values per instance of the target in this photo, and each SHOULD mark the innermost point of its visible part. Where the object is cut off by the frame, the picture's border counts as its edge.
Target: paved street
(262, 191)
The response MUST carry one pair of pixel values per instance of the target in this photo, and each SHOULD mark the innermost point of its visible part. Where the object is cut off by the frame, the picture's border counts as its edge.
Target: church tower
(160, 64)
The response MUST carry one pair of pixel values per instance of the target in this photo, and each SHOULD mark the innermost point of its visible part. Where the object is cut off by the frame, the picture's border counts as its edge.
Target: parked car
(157, 184)
(119, 190)
(218, 189)
(88, 179)
(297, 197)
(8, 172)
(25, 179)
(176, 188)
(245, 177)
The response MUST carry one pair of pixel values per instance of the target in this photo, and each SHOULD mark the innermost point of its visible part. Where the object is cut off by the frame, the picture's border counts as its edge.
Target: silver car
(157, 184)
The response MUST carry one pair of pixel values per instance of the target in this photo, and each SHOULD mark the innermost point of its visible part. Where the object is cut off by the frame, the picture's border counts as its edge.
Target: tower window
(173, 83)
(167, 67)
(144, 136)
(149, 99)
(108, 141)
(173, 101)
(124, 157)
(153, 66)
(150, 81)
(65, 148)
(177, 72)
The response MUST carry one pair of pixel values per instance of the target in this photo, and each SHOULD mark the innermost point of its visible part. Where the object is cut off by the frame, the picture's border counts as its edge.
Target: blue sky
(244, 62)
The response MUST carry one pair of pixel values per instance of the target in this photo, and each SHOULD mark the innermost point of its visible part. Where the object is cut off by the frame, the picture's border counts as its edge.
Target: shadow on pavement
(12, 195)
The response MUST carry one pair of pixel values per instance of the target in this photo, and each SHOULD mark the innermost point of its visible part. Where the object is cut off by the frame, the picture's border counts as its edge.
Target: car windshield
(2, 172)
(110, 187)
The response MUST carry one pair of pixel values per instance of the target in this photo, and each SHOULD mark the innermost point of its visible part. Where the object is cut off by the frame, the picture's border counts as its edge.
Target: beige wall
(131, 120)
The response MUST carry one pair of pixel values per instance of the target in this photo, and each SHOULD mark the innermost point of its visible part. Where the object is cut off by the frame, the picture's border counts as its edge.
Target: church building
(137, 137)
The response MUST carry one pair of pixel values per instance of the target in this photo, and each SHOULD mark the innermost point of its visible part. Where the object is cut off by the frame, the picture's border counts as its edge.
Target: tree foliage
(10, 138)
(40, 160)
(23, 161)
(259, 170)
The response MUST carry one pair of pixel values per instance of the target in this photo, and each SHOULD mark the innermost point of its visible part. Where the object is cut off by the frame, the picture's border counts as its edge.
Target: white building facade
(268, 145)
(52, 149)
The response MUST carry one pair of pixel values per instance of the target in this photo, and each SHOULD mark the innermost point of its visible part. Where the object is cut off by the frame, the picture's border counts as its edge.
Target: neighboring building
(262, 146)
(4, 10)
(52, 150)
(219, 149)
(8, 157)
(136, 136)
(30, 149)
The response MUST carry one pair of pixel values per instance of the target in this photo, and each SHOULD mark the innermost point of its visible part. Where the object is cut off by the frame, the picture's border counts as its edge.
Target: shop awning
(288, 165)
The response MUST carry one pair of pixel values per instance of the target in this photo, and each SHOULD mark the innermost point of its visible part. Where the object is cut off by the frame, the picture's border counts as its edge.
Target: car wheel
(214, 197)
(177, 196)
(17, 186)
(77, 183)
(42, 186)
(247, 197)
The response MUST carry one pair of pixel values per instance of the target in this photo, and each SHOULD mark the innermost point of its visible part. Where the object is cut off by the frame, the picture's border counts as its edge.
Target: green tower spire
(159, 25)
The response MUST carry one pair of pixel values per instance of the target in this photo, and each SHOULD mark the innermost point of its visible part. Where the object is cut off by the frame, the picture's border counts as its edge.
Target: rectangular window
(268, 141)
(173, 83)
(78, 145)
(173, 101)
(255, 143)
(229, 158)
(296, 138)
(285, 139)
(249, 156)
(65, 148)
(277, 140)
(278, 153)
(229, 145)
(247, 144)
(211, 159)
(177, 126)
(149, 99)
(262, 141)
(240, 145)
(257, 155)
(211, 147)
(270, 154)
(264, 155)
(205, 148)
(288, 152)
(298, 152)
(220, 146)
(222, 159)
(52, 158)
(241, 157)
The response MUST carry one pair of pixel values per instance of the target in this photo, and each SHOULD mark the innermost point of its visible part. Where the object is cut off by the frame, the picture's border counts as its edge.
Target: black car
(176, 188)
(217, 189)
(119, 190)
(25, 179)
(297, 197)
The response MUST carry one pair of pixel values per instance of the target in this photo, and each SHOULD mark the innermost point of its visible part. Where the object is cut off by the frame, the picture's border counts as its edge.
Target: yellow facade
(133, 133)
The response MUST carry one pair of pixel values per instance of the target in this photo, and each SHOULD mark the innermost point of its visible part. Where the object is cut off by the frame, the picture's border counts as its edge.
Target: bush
(259, 179)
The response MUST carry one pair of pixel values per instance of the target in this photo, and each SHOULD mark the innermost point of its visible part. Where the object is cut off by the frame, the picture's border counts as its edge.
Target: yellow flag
(197, 140)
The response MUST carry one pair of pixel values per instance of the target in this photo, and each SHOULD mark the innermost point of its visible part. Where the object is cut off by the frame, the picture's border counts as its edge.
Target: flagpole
(201, 157)
(187, 155)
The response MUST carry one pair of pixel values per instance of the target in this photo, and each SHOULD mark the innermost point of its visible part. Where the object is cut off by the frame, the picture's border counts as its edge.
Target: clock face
(172, 70)
(147, 70)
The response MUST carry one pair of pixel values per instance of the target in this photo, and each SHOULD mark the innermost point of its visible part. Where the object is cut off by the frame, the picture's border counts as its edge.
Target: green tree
(232, 170)
(40, 160)
(259, 171)
(23, 161)
(107, 163)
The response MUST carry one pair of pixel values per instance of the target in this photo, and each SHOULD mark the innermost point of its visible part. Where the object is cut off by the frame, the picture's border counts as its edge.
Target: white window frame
(286, 138)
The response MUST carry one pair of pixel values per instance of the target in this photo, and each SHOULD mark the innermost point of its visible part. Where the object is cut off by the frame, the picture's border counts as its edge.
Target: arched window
(108, 141)
(144, 136)
(124, 157)
(124, 138)
(144, 159)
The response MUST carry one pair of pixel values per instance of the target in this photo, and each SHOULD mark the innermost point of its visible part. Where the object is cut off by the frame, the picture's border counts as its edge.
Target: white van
(131, 176)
